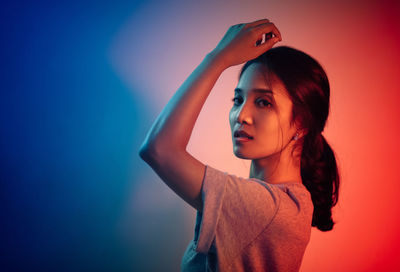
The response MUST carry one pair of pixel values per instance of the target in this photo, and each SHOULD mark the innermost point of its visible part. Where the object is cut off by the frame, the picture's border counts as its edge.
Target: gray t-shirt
(249, 225)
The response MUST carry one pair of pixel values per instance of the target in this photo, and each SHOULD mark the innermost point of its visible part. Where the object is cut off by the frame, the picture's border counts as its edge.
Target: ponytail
(320, 176)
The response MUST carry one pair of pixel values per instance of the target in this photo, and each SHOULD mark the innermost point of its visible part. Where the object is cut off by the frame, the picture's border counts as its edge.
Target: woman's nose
(244, 115)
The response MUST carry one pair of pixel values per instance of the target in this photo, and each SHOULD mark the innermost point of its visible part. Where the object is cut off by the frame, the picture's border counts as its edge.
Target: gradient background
(82, 83)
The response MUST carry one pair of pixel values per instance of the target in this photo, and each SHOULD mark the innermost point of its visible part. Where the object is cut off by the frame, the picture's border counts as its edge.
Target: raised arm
(164, 147)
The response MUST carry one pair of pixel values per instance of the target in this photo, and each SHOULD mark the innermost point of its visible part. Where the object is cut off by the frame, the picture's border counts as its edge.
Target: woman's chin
(241, 155)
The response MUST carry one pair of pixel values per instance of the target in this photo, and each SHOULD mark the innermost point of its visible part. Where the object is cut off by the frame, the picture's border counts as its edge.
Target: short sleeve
(235, 211)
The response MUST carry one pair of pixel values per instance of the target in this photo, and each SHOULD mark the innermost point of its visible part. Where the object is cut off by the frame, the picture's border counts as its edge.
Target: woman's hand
(242, 42)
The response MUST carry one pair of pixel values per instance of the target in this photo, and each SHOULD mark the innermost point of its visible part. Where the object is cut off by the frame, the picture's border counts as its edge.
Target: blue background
(69, 134)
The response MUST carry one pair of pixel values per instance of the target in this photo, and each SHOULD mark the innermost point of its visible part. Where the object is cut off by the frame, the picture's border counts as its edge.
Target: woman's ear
(300, 132)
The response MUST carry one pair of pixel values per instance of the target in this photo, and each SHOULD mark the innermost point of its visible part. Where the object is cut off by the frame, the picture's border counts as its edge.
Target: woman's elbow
(157, 154)
(151, 154)
(146, 152)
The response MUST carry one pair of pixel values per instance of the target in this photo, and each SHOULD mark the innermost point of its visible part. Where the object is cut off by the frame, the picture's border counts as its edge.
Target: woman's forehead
(257, 80)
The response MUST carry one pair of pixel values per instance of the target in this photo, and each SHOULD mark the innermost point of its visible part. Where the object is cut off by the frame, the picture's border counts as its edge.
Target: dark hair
(308, 88)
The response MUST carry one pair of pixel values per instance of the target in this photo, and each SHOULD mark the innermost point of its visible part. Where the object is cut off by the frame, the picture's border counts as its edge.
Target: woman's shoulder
(292, 187)
(292, 194)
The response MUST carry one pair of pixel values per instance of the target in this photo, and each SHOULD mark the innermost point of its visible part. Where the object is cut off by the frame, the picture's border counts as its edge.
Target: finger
(266, 28)
(273, 30)
(256, 23)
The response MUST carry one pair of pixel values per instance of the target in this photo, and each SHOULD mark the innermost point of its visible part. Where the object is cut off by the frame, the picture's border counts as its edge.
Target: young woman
(280, 106)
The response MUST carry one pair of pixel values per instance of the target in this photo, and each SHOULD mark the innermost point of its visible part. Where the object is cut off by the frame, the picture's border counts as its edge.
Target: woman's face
(261, 108)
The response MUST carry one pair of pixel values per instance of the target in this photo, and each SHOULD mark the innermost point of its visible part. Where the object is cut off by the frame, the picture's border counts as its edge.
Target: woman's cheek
(232, 114)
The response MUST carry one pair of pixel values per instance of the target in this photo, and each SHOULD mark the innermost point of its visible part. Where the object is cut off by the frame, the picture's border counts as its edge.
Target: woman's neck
(276, 170)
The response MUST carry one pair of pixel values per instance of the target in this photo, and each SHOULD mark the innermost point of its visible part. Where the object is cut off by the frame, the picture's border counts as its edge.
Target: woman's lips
(242, 139)
(241, 133)
(242, 136)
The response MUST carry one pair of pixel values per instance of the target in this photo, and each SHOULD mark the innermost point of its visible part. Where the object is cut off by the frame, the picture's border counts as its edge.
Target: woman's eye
(236, 100)
(263, 103)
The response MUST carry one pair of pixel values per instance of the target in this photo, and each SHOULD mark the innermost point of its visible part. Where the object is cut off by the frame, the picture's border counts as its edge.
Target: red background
(358, 45)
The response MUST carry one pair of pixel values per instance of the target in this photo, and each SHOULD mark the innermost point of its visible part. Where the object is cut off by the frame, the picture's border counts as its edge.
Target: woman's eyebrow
(256, 90)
